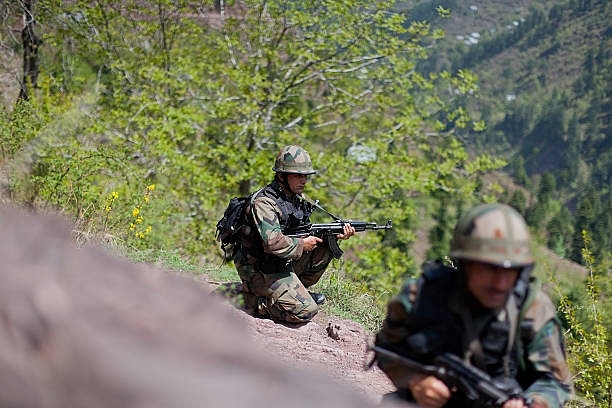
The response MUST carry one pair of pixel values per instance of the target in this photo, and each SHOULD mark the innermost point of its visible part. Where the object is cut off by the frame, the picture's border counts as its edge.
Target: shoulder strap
(534, 287)
(519, 304)
(526, 321)
(254, 195)
(252, 200)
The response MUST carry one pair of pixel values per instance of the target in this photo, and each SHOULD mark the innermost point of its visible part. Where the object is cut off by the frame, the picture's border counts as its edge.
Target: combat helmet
(293, 159)
(495, 234)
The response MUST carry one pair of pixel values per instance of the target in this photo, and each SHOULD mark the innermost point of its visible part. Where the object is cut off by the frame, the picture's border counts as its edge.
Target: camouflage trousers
(283, 295)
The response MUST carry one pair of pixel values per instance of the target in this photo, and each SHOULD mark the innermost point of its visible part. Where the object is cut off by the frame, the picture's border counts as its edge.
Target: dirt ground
(334, 346)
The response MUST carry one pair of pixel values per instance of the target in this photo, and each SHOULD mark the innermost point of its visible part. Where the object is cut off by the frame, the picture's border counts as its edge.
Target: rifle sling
(513, 318)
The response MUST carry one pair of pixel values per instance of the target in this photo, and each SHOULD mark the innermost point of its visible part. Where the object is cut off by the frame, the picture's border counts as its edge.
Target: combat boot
(262, 308)
(250, 303)
(319, 298)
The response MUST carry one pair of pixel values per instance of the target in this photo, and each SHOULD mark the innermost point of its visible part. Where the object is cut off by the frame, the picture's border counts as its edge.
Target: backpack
(230, 225)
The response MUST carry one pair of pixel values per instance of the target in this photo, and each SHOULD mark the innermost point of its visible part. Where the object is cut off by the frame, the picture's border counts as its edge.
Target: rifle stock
(474, 384)
(329, 231)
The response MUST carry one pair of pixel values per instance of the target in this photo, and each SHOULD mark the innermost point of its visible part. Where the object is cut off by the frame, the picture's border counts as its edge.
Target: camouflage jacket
(269, 216)
(435, 314)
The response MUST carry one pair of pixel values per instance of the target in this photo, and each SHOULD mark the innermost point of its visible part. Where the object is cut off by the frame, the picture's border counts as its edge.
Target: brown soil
(83, 328)
(337, 347)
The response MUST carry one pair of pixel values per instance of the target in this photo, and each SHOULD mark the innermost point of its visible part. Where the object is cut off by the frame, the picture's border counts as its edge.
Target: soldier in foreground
(488, 311)
(276, 269)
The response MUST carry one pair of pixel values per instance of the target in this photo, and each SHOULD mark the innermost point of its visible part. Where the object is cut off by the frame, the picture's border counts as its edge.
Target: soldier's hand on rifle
(349, 231)
(310, 242)
(428, 391)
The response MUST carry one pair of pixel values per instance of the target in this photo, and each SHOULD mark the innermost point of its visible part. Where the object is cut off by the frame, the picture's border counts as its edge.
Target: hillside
(475, 16)
(328, 344)
(84, 328)
(523, 52)
(544, 72)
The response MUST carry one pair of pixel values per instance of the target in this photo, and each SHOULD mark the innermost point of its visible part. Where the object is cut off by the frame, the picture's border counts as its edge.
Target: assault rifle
(473, 384)
(329, 231)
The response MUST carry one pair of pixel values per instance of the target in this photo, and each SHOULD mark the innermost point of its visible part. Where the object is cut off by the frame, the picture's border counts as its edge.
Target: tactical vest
(294, 213)
(444, 312)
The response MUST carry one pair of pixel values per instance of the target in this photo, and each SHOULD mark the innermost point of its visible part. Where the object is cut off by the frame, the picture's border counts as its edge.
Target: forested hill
(545, 75)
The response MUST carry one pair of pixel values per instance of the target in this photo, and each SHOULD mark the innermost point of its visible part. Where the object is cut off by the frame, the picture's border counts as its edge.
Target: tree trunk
(30, 42)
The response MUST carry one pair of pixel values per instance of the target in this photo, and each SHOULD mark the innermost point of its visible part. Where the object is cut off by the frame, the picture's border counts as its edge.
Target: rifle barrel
(337, 227)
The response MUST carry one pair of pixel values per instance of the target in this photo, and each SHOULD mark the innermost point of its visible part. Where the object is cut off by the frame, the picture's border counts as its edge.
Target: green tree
(440, 233)
(518, 200)
(520, 174)
(197, 101)
(536, 216)
(585, 215)
(548, 187)
(587, 339)
(559, 231)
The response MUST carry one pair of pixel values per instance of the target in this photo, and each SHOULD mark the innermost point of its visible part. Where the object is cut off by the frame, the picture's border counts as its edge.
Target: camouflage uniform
(274, 269)
(518, 345)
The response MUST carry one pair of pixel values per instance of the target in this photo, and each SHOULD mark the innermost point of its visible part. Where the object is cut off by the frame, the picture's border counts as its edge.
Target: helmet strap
(282, 178)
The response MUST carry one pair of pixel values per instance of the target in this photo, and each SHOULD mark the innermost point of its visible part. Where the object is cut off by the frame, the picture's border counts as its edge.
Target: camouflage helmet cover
(293, 159)
(495, 234)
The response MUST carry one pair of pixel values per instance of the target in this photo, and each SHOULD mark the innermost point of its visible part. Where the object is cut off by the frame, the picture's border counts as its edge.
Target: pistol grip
(332, 243)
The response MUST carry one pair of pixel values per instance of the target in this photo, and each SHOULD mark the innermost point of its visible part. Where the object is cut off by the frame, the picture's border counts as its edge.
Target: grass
(347, 301)
(344, 299)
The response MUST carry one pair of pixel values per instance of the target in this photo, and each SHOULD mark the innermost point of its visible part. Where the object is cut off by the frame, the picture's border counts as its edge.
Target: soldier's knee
(303, 317)
(309, 312)
(294, 311)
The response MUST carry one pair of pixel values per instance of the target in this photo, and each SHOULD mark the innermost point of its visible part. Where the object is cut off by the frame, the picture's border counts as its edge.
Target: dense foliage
(588, 339)
(160, 112)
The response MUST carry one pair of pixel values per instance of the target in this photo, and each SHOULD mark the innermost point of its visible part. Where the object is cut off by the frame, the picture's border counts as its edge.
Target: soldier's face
(490, 284)
(297, 182)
